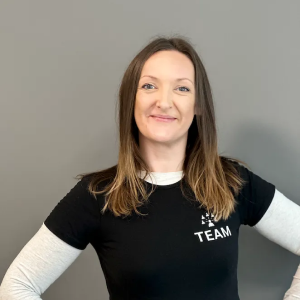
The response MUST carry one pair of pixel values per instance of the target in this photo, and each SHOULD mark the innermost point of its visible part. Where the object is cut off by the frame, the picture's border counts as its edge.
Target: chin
(161, 139)
(154, 137)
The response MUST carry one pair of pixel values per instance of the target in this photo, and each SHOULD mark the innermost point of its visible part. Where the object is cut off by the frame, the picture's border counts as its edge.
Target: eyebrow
(178, 79)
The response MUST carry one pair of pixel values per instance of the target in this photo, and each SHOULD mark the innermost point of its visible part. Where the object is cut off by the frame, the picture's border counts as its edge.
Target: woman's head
(188, 100)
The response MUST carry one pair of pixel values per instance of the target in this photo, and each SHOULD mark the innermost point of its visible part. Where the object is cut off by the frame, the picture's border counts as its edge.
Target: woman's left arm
(281, 225)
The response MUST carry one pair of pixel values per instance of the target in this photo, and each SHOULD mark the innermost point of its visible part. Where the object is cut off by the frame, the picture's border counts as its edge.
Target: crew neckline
(163, 187)
(162, 180)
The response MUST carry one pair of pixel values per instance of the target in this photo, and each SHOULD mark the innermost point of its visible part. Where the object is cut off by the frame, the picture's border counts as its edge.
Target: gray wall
(61, 66)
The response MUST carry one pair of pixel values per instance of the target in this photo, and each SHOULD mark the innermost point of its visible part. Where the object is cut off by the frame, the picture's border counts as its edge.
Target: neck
(162, 157)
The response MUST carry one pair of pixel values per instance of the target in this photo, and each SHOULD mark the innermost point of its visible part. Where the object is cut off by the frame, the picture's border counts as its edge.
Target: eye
(184, 88)
(147, 84)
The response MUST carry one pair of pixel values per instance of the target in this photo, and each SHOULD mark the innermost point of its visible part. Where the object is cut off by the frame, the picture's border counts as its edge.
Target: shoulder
(241, 170)
(76, 216)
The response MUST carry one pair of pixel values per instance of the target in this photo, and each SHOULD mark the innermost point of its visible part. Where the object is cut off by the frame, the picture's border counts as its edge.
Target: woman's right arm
(41, 261)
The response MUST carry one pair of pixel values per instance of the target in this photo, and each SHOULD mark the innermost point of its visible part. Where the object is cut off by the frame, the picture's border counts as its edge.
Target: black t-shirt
(175, 252)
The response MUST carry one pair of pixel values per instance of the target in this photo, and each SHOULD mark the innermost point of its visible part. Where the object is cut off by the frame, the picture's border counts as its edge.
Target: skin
(163, 144)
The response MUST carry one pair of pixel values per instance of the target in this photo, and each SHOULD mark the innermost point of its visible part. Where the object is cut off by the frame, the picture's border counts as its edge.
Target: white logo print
(209, 218)
(212, 234)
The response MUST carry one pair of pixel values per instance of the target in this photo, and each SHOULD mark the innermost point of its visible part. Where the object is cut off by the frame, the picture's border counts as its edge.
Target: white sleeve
(281, 224)
(41, 261)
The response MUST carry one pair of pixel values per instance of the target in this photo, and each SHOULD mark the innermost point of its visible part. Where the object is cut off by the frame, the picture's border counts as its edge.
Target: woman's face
(166, 87)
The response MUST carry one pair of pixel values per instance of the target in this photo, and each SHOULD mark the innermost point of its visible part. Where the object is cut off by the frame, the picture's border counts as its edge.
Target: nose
(165, 99)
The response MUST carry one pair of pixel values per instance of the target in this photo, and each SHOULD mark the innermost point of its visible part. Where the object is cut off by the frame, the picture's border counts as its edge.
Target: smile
(166, 120)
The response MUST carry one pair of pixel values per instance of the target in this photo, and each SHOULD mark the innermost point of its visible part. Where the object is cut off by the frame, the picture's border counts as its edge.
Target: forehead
(168, 63)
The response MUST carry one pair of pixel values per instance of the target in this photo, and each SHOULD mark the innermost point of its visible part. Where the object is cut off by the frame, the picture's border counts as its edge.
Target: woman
(165, 220)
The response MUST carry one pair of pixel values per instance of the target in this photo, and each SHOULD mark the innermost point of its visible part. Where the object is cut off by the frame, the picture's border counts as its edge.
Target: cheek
(142, 106)
(138, 111)
(187, 110)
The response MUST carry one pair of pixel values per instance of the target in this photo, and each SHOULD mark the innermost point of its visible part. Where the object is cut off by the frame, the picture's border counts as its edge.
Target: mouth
(166, 119)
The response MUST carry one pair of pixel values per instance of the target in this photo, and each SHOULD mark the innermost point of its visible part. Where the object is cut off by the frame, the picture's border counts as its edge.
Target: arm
(294, 291)
(281, 224)
(41, 261)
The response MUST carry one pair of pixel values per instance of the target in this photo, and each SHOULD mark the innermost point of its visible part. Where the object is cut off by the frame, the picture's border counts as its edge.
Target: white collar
(161, 178)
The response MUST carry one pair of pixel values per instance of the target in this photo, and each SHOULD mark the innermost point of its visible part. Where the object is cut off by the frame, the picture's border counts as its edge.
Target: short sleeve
(75, 217)
(255, 197)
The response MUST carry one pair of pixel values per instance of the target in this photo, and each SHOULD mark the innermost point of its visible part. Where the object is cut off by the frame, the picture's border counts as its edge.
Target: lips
(163, 117)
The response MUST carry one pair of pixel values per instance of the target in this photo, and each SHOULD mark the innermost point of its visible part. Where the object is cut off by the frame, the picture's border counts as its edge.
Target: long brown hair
(212, 179)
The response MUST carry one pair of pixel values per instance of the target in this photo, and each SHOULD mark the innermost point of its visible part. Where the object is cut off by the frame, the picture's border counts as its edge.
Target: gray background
(61, 66)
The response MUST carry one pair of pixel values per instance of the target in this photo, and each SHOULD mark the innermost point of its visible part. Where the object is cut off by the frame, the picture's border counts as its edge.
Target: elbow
(12, 289)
